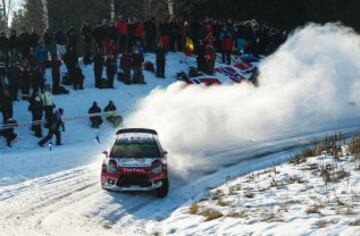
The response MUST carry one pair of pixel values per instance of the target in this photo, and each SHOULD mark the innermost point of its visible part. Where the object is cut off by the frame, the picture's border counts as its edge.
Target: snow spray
(309, 81)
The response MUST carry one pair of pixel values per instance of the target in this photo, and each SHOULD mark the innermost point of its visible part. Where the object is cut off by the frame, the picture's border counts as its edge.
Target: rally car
(136, 162)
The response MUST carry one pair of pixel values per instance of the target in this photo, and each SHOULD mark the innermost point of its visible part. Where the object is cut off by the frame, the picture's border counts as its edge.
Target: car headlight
(156, 168)
(112, 167)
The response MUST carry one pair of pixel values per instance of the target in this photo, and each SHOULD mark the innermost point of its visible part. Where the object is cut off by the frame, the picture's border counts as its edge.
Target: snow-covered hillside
(313, 196)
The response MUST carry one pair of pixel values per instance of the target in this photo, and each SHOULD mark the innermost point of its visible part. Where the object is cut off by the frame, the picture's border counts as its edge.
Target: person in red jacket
(227, 47)
(139, 31)
(123, 31)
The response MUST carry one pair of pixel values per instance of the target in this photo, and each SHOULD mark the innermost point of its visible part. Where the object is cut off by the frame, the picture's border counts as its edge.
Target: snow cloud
(314, 78)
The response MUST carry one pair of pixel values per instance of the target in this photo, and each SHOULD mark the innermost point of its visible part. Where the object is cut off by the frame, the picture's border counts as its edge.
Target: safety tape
(70, 118)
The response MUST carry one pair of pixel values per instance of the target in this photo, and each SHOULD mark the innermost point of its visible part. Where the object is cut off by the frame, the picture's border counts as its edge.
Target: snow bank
(311, 80)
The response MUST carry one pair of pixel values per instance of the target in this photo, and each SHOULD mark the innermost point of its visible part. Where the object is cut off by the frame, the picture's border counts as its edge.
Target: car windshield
(138, 149)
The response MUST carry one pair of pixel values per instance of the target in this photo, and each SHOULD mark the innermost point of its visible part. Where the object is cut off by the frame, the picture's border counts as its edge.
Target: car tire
(163, 190)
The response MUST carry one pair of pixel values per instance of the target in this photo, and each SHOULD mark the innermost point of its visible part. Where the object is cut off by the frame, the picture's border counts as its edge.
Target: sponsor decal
(134, 171)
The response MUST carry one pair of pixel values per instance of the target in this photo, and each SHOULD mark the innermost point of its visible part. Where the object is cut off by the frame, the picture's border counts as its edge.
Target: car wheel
(163, 190)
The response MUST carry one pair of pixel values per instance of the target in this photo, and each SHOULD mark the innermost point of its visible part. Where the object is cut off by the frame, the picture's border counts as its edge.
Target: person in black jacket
(55, 124)
(24, 43)
(150, 32)
(96, 121)
(110, 70)
(13, 43)
(72, 36)
(60, 40)
(4, 43)
(38, 80)
(98, 69)
(6, 106)
(125, 66)
(13, 74)
(34, 39)
(9, 132)
(78, 78)
(48, 40)
(138, 60)
(87, 35)
(160, 61)
(36, 108)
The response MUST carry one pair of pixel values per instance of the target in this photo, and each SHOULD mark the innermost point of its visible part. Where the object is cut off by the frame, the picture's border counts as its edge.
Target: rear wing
(136, 130)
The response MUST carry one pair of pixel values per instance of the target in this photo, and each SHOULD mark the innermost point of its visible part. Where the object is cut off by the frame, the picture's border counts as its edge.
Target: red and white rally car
(136, 162)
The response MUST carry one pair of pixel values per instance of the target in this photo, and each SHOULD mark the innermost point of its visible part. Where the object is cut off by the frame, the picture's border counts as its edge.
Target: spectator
(78, 78)
(110, 70)
(36, 108)
(6, 106)
(48, 103)
(160, 61)
(55, 65)
(55, 124)
(34, 39)
(9, 132)
(13, 74)
(48, 41)
(96, 120)
(72, 37)
(150, 34)
(122, 33)
(138, 60)
(126, 65)
(98, 69)
(60, 40)
(26, 75)
(87, 35)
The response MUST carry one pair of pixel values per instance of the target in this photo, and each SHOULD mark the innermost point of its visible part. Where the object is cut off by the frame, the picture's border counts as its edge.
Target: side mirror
(106, 153)
(165, 153)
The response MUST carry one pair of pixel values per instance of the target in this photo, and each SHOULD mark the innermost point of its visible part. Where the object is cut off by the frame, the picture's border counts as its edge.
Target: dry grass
(233, 190)
(324, 223)
(314, 209)
(296, 179)
(221, 202)
(194, 209)
(330, 174)
(237, 215)
(354, 147)
(218, 194)
(249, 194)
(211, 214)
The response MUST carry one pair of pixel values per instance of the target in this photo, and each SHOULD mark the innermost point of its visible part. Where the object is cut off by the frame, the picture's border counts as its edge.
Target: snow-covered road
(72, 200)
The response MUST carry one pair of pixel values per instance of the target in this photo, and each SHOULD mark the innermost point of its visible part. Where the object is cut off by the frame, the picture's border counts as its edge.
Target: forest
(284, 14)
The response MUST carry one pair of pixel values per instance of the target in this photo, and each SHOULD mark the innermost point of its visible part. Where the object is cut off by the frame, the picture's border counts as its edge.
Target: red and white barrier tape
(70, 118)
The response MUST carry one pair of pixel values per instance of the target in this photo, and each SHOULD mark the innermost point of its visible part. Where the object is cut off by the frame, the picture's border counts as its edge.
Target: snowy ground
(291, 199)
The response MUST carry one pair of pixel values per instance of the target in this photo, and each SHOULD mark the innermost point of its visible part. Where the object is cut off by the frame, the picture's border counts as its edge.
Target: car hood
(135, 162)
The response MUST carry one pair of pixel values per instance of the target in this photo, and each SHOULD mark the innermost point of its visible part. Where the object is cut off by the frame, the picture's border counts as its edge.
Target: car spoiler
(136, 130)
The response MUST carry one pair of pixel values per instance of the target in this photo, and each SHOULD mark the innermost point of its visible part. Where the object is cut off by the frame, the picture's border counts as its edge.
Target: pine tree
(34, 14)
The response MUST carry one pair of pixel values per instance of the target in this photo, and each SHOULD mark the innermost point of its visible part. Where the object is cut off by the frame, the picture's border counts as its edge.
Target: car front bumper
(134, 188)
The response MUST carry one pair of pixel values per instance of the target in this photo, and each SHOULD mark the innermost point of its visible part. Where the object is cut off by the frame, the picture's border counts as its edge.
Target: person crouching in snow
(96, 121)
(138, 60)
(9, 132)
(160, 61)
(111, 115)
(110, 70)
(55, 124)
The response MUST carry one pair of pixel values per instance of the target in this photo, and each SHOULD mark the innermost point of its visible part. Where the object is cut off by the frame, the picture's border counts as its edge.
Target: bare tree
(6, 9)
